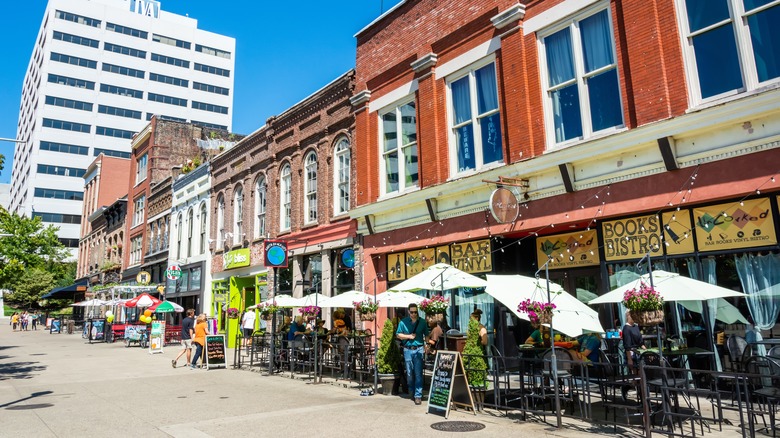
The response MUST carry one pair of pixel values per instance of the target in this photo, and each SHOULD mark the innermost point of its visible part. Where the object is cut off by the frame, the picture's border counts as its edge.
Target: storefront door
(585, 284)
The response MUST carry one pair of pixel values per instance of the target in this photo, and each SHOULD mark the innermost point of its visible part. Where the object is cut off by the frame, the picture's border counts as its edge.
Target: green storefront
(243, 287)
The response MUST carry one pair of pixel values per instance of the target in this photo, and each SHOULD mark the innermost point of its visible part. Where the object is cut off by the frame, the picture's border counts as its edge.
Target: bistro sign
(632, 238)
(743, 224)
(504, 206)
(568, 250)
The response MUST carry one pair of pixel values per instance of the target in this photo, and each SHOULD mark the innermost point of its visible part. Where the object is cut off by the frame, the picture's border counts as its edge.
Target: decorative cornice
(511, 15)
(424, 63)
(360, 97)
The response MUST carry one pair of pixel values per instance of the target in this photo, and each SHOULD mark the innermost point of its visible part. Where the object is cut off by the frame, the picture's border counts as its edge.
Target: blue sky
(284, 51)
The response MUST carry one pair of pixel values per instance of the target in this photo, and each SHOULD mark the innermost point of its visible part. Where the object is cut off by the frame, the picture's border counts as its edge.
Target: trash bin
(71, 326)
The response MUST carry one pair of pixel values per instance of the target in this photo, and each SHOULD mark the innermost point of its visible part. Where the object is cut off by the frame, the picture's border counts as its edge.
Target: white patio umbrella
(671, 287)
(346, 299)
(315, 299)
(397, 299)
(570, 316)
(725, 311)
(282, 300)
(438, 277)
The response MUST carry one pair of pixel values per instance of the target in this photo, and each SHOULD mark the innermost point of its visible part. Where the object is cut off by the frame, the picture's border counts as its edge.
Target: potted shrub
(366, 308)
(646, 305)
(475, 365)
(388, 358)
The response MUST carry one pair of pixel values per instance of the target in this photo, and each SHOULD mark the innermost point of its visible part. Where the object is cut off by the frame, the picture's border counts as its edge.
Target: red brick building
(596, 116)
(158, 150)
(98, 250)
(290, 180)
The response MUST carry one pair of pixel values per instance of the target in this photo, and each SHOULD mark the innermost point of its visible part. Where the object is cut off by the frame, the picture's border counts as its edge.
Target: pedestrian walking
(24, 320)
(187, 332)
(412, 335)
(34, 318)
(199, 339)
(15, 321)
(248, 324)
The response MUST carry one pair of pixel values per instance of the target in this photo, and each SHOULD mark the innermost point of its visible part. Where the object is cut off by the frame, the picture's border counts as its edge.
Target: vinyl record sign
(276, 254)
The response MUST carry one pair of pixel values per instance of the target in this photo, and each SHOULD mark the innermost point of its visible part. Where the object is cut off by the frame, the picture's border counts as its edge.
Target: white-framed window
(238, 215)
(138, 210)
(731, 46)
(475, 118)
(580, 78)
(310, 187)
(285, 205)
(341, 176)
(190, 229)
(136, 244)
(179, 233)
(220, 221)
(140, 168)
(203, 224)
(260, 199)
(398, 147)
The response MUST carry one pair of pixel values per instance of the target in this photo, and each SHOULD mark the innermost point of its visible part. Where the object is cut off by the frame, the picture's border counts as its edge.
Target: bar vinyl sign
(735, 225)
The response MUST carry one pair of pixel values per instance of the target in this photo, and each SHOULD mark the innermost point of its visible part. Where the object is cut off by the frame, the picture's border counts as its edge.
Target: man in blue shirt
(411, 332)
(589, 346)
(297, 328)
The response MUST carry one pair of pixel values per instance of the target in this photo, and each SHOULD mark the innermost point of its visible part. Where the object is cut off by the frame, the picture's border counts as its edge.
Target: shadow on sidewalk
(20, 370)
(27, 407)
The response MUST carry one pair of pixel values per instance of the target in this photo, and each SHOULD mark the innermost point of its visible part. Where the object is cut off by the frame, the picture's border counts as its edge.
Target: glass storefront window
(195, 279)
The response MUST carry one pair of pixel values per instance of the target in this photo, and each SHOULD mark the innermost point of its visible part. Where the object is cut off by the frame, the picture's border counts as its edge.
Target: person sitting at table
(297, 328)
(339, 328)
(537, 336)
(632, 341)
(435, 339)
(319, 327)
(285, 328)
(587, 348)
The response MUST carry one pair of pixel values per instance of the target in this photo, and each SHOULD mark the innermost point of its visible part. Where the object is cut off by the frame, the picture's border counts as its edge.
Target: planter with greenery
(366, 309)
(388, 358)
(474, 364)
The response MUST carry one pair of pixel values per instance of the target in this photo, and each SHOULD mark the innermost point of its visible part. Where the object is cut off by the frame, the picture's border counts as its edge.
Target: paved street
(61, 386)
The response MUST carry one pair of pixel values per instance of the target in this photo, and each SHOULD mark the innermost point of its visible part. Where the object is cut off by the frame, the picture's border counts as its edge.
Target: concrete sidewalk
(58, 385)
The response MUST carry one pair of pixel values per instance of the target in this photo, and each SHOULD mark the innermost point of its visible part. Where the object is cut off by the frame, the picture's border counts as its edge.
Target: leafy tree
(28, 250)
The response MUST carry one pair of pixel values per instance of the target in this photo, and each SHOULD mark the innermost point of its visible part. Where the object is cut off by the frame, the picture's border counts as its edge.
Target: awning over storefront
(67, 291)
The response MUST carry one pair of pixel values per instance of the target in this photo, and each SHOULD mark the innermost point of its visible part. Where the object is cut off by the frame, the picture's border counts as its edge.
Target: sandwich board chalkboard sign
(449, 385)
(215, 351)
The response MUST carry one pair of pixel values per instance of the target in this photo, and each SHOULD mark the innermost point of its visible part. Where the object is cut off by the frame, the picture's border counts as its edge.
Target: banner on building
(419, 260)
(472, 257)
(396, 266)
(443, 255)
(632, 238)
(735, 225)
(570, 250)
(678, 232)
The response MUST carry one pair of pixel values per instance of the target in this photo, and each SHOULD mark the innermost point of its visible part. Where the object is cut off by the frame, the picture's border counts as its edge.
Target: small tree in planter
(388, 358)
(474, 364)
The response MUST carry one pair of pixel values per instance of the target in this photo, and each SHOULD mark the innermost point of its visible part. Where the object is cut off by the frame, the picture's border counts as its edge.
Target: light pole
(553, 359)
(376, 334)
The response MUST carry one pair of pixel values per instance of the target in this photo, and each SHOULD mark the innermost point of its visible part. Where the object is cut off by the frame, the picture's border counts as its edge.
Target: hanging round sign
(504, 206)
(173, 272)
(143, 278)
(348, 258)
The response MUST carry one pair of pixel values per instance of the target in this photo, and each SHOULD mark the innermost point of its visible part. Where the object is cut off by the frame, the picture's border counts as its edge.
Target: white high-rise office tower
(99, 70)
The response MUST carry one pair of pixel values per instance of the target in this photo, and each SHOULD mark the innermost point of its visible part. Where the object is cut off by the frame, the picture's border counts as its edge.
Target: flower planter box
(367, 316)
(648, 317)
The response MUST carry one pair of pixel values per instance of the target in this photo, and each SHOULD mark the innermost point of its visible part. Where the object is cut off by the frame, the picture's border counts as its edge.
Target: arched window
(238, 215)
(260, 192)
(220, 221)
(310, 184)
(341, 177)
(285, 199)
(179, 230)
(203, 224)
(190, 225)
